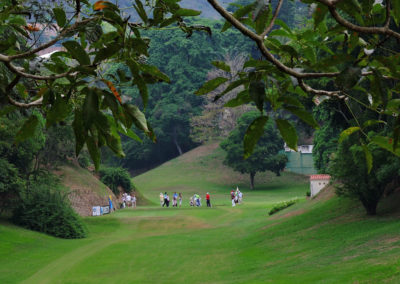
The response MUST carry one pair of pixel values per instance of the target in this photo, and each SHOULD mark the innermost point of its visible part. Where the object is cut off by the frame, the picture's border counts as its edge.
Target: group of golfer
(128, 200)
(195, 200)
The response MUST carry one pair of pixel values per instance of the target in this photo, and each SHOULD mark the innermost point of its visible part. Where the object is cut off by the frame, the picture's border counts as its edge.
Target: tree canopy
(265, 155)
(348, 49)
(72, 81)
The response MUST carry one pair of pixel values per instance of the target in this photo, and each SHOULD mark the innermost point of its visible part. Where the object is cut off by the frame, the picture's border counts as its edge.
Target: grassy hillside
(324, 240)
(201, 170)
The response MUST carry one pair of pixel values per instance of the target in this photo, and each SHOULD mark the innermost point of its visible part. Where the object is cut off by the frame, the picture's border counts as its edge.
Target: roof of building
(320, 177)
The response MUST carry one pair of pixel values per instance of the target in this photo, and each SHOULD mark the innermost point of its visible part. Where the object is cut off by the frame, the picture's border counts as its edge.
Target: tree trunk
(252, 180)
(370, 206)
(175, 139)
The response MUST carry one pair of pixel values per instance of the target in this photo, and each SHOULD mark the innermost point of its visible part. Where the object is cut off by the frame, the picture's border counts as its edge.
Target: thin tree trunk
(370, 206)
(252, 180)
(175, 139)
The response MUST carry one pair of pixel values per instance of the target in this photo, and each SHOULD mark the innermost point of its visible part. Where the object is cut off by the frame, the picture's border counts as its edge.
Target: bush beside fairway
(325, 240)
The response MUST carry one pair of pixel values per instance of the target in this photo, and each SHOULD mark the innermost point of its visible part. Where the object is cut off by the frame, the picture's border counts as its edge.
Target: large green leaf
(28, 129)
(128, 132)
(238, 14)
(77, 52)
(114, 143)
(230, 87)
(261, 18)
(154, 71)
(368, 157)
(187, 12)
(137, 117)
(60, 16)
(79, 130)
(59, 111)
(257, 93)
(396, 11)
(141, 84)
(211, 85)
(304, 115)
(372, 122)
(393, 105)
(309, 54)
(140, 10)
(106, 52)
(94, 151)
(241, 99)
(348, 78)
(319, 14)
(378, 88)
(253, 134)
(221, 65)
(347, 132)
(288, 133)
(90, 107)
(139, 45)
(386, 143)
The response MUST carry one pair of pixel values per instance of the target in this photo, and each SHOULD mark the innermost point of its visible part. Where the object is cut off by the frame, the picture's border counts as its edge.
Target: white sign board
(96, 211)
(105, 210)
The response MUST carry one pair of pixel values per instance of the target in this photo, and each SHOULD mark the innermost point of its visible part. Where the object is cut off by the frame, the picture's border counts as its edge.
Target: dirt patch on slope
(86, 190)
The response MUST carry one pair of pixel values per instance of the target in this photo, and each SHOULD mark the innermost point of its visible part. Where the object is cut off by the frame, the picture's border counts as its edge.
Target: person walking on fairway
(166, 203)
(161, 199)
(180, 199)
(133, 201)
(175, 200)
(233, 198)
(208, 199)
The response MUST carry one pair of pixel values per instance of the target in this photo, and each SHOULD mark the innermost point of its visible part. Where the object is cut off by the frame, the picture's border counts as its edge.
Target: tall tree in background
(360, 179)
(265, 156)
(216, 122)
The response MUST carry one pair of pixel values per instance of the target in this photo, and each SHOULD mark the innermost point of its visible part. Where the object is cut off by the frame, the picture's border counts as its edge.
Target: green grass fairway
(326, 240)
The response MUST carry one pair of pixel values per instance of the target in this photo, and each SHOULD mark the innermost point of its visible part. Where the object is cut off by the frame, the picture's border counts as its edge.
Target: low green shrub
(308, 193)
(114, 177)
(84, 161)
(282, 205)
(45, 209)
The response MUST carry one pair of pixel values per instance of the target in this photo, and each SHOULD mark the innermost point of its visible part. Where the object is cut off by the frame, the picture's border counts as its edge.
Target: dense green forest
(187, 62)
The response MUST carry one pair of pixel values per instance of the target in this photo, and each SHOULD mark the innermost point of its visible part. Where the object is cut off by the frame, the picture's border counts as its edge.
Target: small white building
(304, 149)
(318, 182)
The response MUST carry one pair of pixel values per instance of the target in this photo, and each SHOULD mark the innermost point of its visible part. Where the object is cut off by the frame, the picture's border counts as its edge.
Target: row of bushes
(282, 205)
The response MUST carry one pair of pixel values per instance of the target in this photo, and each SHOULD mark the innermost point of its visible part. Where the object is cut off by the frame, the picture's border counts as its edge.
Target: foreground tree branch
(271, 24)
(301, 76)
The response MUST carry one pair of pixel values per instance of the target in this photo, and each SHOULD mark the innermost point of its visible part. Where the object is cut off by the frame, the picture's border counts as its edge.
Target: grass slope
(201, 170)
(325, 240)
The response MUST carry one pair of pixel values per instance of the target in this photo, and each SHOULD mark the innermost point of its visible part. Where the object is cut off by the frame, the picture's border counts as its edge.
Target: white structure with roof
(304, 149)
(318, 182)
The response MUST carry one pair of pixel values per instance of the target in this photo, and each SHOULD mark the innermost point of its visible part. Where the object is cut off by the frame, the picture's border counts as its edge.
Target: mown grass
(329, 240)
